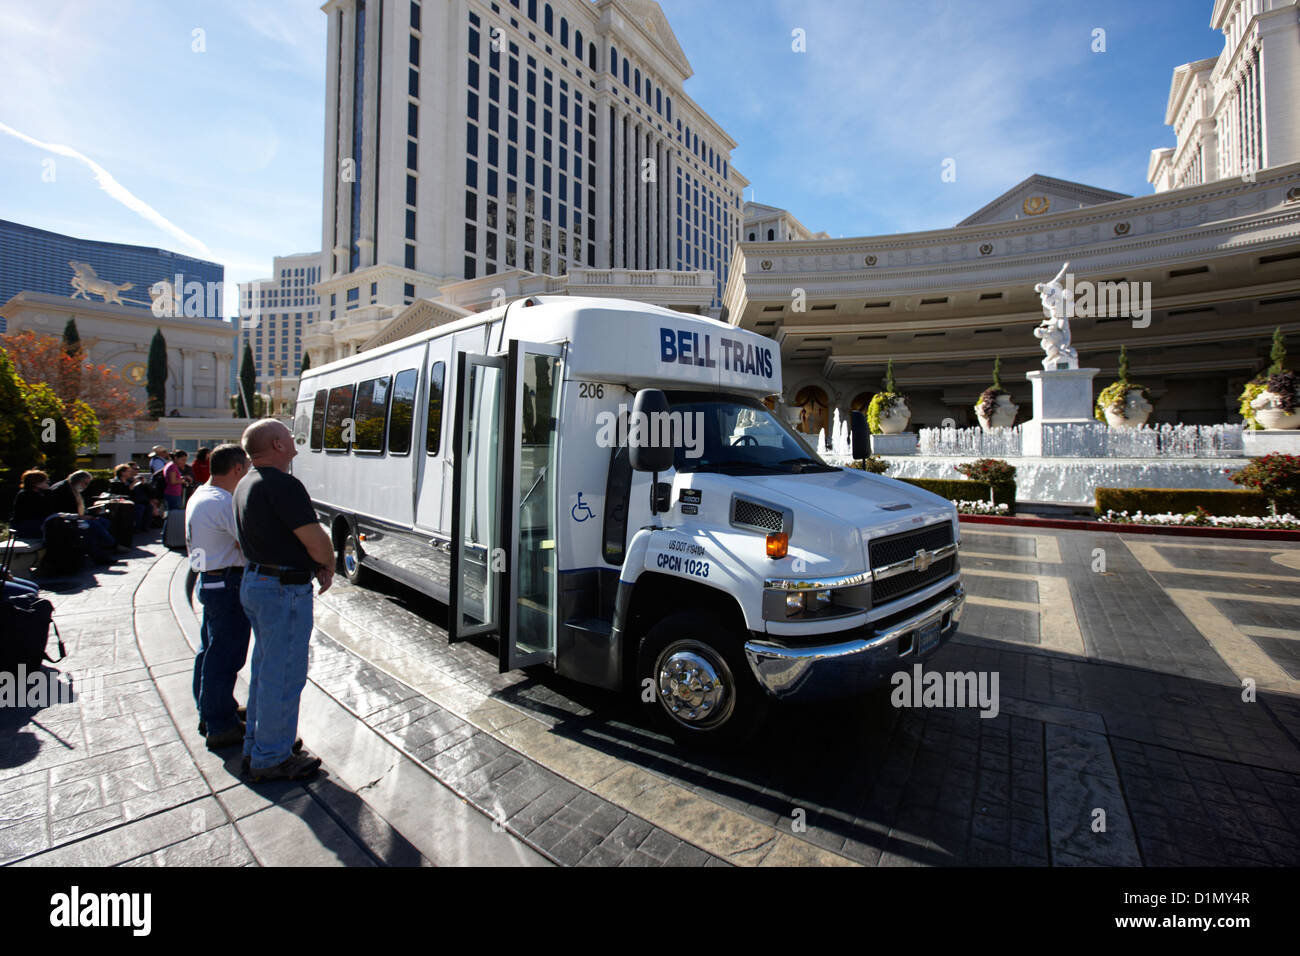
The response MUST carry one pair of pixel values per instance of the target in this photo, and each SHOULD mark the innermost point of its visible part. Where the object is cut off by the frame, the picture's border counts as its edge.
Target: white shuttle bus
(488, 463)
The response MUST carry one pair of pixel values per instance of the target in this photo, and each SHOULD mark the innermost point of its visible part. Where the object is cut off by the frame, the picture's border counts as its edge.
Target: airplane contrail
(116, 190)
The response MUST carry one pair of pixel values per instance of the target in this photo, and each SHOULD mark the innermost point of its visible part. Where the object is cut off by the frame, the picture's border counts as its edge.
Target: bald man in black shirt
(285, 547)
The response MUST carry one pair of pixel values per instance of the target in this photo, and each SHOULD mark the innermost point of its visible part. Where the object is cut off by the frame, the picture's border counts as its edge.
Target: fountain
(1063, 453)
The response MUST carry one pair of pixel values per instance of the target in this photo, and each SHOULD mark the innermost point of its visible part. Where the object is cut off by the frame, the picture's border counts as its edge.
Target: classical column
(187, 378)
(619, 179)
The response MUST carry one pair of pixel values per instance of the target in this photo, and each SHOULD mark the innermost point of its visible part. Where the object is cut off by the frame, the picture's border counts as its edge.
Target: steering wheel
(745, 440)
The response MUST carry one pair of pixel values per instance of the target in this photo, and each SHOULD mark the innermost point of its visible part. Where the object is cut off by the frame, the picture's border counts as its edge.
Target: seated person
(32, 504)
(66, 498)
(124, 485)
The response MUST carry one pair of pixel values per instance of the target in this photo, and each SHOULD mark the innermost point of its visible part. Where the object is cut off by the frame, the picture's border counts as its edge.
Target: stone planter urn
(1269, 414)
(1004, 413)
(894, 417)
(1135, 414)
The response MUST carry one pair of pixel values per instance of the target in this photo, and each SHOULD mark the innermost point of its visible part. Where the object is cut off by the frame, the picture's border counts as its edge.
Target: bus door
(528, 595)
(503, 574)
(477, 558)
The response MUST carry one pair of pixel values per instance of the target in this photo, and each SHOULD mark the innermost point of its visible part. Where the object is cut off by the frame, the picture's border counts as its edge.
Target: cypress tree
(1277, 355)
(889, 378)
(997, 372)
(306, 363)
(156, 379)
(71, 339)
(246, 403)
(1123, 364)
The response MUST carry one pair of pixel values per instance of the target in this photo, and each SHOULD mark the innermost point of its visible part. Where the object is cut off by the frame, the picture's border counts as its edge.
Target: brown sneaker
(299, 766)
(229, 738)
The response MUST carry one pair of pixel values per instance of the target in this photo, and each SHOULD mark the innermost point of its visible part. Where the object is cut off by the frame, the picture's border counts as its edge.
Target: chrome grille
(903, 547)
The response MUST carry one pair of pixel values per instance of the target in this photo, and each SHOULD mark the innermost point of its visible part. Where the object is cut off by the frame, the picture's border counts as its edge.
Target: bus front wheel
(693, 678)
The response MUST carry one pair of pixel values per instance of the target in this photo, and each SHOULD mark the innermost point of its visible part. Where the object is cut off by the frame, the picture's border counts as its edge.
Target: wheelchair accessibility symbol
(581, 512)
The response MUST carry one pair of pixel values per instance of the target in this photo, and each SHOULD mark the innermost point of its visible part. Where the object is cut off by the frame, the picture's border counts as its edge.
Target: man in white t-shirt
(213, 542)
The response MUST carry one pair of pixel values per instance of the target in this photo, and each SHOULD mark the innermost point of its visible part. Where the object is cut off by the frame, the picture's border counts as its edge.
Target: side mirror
(861, 436)
(644, 451)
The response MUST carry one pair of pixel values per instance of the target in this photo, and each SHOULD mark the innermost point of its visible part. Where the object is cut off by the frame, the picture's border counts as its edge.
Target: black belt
(234, 570)
(281, 573)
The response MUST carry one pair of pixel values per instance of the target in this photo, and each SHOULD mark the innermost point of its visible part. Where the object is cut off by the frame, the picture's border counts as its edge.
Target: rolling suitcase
(174, 530)
(65, 548)
(121, 516)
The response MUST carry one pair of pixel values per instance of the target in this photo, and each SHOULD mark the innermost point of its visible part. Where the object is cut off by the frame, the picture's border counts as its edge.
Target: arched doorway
(814, 408)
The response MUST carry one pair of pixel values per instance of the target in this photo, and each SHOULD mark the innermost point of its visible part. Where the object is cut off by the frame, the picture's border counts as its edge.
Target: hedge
(961, 489)
(1185, 500)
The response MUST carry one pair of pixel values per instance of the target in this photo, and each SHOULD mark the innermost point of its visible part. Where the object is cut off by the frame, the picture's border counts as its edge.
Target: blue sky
(218, 153)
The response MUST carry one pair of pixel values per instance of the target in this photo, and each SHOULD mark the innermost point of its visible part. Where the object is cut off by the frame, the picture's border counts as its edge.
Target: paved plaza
(1121, 735)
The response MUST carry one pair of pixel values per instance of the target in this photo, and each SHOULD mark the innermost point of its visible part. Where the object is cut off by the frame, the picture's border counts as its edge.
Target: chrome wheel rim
(696, 688)
(350, 559)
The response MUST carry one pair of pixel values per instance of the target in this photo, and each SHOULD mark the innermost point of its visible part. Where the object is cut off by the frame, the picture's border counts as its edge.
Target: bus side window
(618, 491)
(372, 411)
(337, 411)
(433, 433)
(402, 412)
(318, 421)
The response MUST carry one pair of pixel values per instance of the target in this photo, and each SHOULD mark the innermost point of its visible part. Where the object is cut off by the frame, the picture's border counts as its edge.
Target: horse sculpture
(85, 282)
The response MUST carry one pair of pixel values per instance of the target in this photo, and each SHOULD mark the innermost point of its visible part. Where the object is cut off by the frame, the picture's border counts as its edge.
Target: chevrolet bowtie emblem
(922, 560)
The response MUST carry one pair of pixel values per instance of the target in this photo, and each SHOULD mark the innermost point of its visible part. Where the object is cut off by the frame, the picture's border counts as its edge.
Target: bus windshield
(738, 435)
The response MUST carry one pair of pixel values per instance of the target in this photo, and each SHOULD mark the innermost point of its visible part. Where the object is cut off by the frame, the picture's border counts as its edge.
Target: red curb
(1257, 534)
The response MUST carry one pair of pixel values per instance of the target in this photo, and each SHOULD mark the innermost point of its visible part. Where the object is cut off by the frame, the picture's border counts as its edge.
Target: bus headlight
(790, 600)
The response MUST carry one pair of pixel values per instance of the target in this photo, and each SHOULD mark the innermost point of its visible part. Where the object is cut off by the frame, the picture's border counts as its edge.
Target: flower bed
(1203, 519)
(981, 508)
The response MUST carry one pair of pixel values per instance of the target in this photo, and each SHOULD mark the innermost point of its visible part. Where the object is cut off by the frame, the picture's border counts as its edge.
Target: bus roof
(616, 340)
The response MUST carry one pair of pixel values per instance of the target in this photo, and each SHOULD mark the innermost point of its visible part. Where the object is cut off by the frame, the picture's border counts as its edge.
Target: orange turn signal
(778, 544)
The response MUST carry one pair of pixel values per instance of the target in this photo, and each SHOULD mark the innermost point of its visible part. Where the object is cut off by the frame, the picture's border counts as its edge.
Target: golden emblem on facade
(1036, 205)
(135, 373)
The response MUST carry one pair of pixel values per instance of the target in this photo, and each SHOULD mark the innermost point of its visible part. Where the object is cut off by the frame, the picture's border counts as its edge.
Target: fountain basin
(1072, 481)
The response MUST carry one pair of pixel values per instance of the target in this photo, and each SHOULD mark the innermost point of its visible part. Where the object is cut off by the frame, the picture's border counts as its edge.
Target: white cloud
(116, 190)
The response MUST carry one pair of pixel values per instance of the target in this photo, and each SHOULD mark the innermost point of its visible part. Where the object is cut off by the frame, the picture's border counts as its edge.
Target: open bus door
(504, 530)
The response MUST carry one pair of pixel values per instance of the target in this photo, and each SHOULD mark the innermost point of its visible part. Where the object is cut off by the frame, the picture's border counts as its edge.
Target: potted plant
(1123, 404)
(873, 464)
(1270, 400)
(1000, 475)
(1275, 476)
(995, 408)
(888, 413)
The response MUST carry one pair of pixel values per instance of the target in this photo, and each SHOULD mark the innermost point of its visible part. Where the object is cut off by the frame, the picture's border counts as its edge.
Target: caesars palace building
(1218, 242)
(476, 151)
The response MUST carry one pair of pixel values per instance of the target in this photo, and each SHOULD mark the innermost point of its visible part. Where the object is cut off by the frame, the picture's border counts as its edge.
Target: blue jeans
(223, 648)
(20, 586)
(99, 537)
(281, 615)
(175, 501)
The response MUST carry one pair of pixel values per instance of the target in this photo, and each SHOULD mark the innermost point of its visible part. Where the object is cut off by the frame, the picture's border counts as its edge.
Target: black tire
(351, 559)
(672, 655)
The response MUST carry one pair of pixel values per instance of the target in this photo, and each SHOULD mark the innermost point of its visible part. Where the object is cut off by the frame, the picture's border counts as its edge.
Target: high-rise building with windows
(467, 138)
(272, 315)
(1234, 114)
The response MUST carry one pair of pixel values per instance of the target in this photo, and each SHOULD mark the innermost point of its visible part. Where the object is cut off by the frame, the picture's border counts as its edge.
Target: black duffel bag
(25, 621)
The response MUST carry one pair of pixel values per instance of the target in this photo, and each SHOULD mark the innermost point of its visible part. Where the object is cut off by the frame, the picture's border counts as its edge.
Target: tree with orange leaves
(43, 358)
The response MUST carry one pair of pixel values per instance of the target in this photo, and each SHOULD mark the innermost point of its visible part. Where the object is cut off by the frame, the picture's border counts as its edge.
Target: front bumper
(859, 660)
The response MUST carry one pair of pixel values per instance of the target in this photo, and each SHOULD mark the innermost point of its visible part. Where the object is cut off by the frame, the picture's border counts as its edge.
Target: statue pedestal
(1062, 403)
(903, 443)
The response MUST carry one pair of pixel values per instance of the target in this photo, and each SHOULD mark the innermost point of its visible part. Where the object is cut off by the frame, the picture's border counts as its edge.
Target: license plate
(927, 638)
